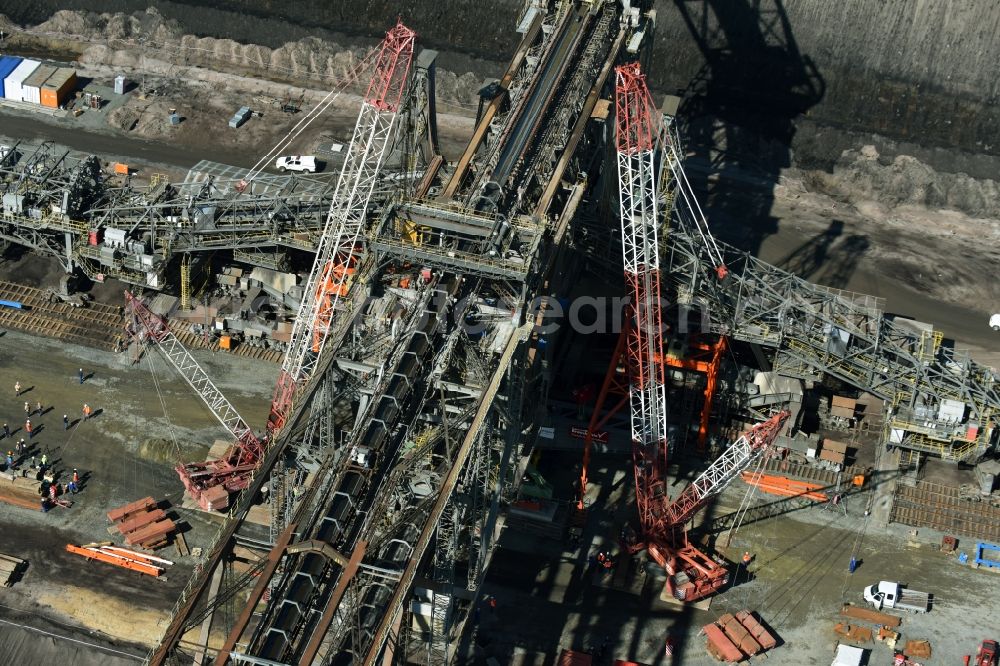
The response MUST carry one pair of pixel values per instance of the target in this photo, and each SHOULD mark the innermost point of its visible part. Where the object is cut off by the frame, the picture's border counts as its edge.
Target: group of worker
(30, 428)
(20, 453)
(49, 489)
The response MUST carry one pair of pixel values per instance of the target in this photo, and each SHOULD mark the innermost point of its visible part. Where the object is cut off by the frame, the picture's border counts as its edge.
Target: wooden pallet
(181, 544)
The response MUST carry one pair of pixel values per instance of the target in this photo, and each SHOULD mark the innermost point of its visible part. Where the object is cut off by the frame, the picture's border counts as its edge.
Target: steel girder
(814, 329)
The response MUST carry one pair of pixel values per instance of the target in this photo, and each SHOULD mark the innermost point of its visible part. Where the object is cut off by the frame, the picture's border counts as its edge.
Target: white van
(305, 163)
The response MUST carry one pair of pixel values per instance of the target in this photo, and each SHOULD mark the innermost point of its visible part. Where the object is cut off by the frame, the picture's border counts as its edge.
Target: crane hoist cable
(315, 112)
(748, 497)
(163, 404)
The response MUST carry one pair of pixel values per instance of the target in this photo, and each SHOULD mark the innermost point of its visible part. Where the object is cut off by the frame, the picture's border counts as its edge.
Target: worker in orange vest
(27, 427)
(747, 558)
(86, 411)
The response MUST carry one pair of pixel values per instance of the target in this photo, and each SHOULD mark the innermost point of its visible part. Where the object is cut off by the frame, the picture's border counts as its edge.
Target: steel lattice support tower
(340, 245)
(635, 140)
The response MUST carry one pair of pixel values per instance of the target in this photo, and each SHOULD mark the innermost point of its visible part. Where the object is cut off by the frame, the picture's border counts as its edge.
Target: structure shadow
(738, 112)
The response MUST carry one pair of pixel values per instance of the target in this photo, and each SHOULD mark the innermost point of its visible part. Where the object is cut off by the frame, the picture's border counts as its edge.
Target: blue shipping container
(7, 65)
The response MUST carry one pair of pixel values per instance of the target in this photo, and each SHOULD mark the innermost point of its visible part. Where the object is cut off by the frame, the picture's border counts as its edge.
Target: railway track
(96, 325)
(940, 507)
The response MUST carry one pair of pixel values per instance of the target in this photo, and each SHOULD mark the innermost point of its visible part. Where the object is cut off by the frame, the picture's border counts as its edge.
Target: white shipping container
(12, 84)
(31, 87)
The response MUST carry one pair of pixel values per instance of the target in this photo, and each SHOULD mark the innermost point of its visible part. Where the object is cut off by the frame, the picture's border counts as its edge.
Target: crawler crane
(336, 261)
(691, 573)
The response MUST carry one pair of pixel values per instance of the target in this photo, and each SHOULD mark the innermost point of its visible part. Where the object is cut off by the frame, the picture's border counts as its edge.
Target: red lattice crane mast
(691, 573)
(340, 246)
(342, 242)
(635, 143)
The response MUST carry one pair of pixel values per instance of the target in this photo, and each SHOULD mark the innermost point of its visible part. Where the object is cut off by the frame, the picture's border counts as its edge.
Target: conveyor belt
(544, 87)
(311, 578)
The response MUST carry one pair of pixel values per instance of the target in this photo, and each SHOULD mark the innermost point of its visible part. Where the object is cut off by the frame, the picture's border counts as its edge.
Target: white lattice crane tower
(342, 242)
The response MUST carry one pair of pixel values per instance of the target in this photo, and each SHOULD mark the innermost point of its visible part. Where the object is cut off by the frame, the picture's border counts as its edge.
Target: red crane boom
(691, 573)
(340, 246)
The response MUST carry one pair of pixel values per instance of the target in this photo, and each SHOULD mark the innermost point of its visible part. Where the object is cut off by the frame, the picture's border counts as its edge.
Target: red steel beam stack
(719, 645)
(756, 629)
(142, 523)
(138, 506)
(739, 635)
(733, 638)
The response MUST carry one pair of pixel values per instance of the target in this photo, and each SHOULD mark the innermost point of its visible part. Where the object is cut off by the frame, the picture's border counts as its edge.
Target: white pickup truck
(306, 163)
(887, 594)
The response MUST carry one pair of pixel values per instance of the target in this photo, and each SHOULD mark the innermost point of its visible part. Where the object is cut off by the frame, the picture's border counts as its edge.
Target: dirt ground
(927, 258)
(146, 419)
(929, 264)
(549, 597)
(207, 80)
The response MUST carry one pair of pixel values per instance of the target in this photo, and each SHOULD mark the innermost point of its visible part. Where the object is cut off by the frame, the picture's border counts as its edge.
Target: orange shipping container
(58, 87)
(31, 89)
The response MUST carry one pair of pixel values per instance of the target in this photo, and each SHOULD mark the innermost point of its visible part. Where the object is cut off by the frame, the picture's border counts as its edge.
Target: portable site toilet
(32, 86)
(58, 87)
(12, 88)
(121, 83)
(7, 65)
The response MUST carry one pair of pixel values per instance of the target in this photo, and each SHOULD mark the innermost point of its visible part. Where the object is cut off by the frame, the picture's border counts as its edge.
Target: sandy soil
(148, 418)
(929, 263)
(206, 80)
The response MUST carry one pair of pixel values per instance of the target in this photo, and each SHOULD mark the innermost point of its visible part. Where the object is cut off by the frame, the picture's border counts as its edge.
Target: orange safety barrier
(117, 560)
(782, 485)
